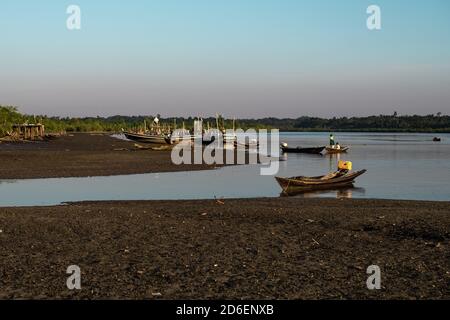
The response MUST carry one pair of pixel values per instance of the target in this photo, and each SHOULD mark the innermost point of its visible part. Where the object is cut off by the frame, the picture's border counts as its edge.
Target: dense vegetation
(386, 123)
(415, 123)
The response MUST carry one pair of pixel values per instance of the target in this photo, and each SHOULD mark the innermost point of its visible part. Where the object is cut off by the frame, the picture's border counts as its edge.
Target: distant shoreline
(432, 123)
(368, 130)
(321, 130)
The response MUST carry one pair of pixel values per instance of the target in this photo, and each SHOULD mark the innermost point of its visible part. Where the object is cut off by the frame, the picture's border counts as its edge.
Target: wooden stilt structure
(29, 131)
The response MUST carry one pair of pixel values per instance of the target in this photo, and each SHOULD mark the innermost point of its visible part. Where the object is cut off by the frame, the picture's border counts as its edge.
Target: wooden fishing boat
(437, 139)
(148, 138)
(333, 180)
(179, 135)
(211, 135)
(334, 150)
(314, 150)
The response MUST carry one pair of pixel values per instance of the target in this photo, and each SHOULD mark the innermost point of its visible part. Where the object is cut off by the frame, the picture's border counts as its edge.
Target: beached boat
(148, 138)
(313, 150)
(211, 135)
(338, 179)
(179, 135)
(220, 132)
(229, 138)
(335, 150)
(157, 133)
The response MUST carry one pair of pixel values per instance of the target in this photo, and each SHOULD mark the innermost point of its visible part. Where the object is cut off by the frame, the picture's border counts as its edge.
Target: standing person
(332, 140)
(156, 123)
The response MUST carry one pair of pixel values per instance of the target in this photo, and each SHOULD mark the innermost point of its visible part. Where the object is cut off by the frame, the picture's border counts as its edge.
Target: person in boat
(338, 146)
(156, 124)
(332, 140)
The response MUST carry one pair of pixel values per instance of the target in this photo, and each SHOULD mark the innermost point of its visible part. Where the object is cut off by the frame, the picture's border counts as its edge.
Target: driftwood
(141, 147)
(55, 135)
(219, 201)
(161, 148)
(15, 136)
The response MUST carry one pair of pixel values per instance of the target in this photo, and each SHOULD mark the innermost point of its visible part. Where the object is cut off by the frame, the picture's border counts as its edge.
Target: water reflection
(339, 193)
(349, 193)
(8, 181)
(334, 158)
(285, 155)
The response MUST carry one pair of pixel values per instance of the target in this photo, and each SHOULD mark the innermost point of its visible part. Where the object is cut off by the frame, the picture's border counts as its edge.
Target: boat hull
(144, 138)
(297, 190)
(334, 150)
(315, 150)
(298, 184)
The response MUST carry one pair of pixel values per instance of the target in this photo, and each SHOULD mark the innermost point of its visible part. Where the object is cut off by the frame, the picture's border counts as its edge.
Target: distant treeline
(381, 123)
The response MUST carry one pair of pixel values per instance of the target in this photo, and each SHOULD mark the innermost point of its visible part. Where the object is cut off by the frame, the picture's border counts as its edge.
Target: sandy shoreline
(242, 249)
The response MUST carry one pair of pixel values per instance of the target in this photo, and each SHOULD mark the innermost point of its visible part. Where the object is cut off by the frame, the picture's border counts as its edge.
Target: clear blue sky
(244, 58)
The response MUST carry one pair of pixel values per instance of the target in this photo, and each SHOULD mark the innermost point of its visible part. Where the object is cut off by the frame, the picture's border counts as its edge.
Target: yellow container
(344, 165)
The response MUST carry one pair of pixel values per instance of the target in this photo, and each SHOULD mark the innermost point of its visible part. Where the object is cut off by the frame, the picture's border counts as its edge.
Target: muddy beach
(235, 249)
(83, 155)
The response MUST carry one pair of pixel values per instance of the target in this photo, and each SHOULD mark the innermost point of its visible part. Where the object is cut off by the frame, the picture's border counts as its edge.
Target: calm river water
(400, 166)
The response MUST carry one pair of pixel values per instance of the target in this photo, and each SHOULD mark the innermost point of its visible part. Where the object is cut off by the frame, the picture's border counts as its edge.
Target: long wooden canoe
(330, 181)
(313, 150)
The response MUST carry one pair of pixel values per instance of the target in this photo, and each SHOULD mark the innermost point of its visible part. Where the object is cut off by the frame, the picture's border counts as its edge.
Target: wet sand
(83, 155)
(242, 249)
